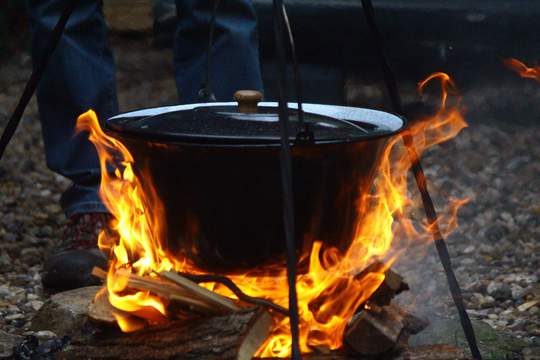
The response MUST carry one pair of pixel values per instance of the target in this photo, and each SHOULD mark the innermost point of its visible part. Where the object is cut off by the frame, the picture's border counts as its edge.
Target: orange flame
(523, 70)
(329, 294)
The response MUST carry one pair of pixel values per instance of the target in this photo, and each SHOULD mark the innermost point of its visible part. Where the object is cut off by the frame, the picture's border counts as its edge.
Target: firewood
(171, 291)
(425, 352)
(392, 285)
(99, 273)
(376, 330)
(199, 292)
(167, 289)
(257, 334)
(235, 336)
(414, 323)
(100, 309)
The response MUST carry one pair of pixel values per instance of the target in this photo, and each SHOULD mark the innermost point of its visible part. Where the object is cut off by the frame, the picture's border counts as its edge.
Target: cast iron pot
(216, 169)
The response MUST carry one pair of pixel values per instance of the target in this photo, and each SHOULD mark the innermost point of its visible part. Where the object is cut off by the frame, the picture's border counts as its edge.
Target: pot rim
(390, 123)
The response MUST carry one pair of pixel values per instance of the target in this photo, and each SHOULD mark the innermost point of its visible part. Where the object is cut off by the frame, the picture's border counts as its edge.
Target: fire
(329, 294)
(523, 70)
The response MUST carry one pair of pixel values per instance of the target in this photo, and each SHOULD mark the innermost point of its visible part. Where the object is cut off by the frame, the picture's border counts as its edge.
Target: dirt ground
(496, 251)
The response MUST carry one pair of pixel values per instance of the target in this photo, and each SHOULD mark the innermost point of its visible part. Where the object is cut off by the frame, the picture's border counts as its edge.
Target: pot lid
(233, 124)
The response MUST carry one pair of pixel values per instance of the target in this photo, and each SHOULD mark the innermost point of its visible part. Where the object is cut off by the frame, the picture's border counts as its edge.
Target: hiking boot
(69, 265)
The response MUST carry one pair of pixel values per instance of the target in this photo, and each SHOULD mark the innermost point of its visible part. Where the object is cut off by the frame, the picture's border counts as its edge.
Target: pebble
(4, 291)
(499, 291)
(469, 249)
(14, 317)
(35, 304)
(5, 261)
(517, 292)
(528, 305)
(44, 334)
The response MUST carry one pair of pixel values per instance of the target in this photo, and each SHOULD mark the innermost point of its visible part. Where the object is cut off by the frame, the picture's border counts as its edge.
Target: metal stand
(421, 182)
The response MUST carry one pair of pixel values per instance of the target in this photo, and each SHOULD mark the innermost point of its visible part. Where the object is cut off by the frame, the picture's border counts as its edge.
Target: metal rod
(287, 178)
(421, 182)
(225, 281)
(304, 134)
(205, 93)
(35, 78)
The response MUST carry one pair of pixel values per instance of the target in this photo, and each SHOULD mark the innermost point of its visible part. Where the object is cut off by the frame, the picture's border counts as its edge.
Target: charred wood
(234, 336)
(381, 330)
(392, 285)
(426, 352)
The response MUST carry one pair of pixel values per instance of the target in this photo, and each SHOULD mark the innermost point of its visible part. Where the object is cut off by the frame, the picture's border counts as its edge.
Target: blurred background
(467, 39)
(496, 162)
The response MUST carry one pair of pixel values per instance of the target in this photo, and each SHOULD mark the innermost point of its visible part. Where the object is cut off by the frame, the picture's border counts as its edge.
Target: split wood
(392, 285)
(211, 297)
(204, 302)
(148, 283)
(380, 330)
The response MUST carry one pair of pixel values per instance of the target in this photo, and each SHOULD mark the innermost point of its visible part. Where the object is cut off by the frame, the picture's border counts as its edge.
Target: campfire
(344, 296)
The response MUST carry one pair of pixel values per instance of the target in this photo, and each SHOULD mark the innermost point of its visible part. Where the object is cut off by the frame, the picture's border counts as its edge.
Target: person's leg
(80, 76)
(235, 55)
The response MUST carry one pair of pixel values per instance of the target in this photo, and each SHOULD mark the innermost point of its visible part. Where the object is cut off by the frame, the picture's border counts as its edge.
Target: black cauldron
(216, 169)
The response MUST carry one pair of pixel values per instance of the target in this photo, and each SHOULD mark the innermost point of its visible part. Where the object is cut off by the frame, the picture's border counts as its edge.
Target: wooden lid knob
(248, 100)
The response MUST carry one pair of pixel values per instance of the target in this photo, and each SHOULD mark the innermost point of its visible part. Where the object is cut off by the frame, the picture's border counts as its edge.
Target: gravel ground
(496, 251)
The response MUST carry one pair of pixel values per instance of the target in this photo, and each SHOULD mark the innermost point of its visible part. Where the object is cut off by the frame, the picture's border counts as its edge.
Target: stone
(499, 291)
(32, 256)
(502, 323)
(7, 343)
(44, 334)
(493, 344)
(14, 317)
(35, 304)
(487, 302)
(469, 249)
(468, 262)
(5, 261)
(65, 313)
(517, 292)
(518, 325)
(531, 353)
(526, 306)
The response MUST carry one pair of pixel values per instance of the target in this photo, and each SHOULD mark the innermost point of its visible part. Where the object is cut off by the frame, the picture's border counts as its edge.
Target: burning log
(100, 310)
(189, 295)
(392, 285)
(425, 352)
(233, 336)
(378, 330)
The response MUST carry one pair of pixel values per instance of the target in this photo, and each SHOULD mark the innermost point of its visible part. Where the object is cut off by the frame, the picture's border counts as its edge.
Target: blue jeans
(81, 75)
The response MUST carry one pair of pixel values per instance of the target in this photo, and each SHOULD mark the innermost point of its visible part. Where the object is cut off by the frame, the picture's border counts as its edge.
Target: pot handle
(248, 100)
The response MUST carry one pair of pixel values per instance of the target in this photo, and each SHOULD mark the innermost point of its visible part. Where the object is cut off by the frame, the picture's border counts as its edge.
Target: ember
(329, 293)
